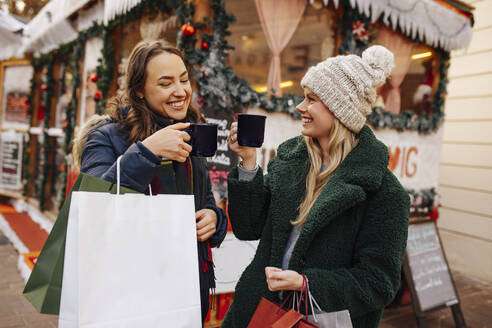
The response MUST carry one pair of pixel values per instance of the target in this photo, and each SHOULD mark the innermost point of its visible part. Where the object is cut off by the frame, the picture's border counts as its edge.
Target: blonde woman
(329, 208)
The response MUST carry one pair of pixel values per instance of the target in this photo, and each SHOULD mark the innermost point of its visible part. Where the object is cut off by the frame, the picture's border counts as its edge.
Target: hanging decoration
(357, 32)
(97, 96)
(187, 30)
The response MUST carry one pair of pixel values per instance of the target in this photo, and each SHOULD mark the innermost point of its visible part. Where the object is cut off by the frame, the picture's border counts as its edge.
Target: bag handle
(285, 302)
(312, 300)
(118, 174)
(118, 160)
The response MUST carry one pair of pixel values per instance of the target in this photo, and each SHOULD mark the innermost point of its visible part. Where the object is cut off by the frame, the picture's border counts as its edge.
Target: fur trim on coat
(79, 141)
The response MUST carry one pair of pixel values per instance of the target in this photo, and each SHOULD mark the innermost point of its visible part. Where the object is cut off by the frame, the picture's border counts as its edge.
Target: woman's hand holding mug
(248, 154)
(170, 142)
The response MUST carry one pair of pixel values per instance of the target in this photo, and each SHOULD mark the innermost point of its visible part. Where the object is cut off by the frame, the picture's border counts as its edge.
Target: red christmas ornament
(62, 167)
(94, 77)
(26, 103)
(434, 214)
(187, 30)
(41, 113)
(98, 96)
(205, 45)
(43, 87)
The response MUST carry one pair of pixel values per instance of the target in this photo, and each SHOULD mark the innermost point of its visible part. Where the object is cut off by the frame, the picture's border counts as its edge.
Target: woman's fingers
(185, 136)
(206, 236)
(275, 285)
(186, 147)
(178, 126)
(205, 233)
(233, 133)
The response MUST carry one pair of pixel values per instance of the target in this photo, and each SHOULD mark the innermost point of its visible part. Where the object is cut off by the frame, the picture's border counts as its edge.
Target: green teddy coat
(351, 246)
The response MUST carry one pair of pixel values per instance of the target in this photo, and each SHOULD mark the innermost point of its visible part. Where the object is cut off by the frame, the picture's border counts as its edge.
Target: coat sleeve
(248, 204)
(373, 280)
(221, 228)
(138, 164)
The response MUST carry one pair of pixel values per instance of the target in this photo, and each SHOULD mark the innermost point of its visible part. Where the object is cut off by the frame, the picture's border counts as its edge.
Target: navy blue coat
(139, 165)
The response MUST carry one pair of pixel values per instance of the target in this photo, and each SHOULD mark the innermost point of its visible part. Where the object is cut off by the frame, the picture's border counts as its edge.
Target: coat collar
(364, 165)
(360, 172)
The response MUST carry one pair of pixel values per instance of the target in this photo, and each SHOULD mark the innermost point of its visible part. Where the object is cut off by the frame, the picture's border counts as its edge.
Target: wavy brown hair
(138, 122)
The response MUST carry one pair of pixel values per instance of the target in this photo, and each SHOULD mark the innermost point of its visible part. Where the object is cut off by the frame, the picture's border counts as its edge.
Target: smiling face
(317, 119)
(167, 88)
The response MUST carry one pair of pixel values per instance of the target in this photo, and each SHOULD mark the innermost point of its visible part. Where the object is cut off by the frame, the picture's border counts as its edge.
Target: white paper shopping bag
(130, 261)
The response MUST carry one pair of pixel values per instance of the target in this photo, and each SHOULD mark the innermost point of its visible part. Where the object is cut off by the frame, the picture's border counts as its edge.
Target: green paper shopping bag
(43, 289)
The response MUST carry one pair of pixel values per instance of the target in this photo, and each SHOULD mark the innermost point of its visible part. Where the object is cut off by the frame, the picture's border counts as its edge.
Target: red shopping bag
(269, 314)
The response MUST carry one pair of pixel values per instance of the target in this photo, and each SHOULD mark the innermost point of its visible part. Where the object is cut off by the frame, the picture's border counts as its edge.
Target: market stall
(80, 53)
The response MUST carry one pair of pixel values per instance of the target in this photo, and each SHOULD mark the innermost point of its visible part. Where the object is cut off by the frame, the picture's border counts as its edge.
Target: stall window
(15, 93)
(413, 80)
(312, 41)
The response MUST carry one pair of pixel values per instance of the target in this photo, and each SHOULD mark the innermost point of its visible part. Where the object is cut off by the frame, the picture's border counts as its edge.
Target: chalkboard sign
(428, 274)
(11, 160)
(224, 159)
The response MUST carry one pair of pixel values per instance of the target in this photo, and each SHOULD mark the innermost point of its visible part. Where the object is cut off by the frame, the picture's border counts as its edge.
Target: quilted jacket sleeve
(99, 155)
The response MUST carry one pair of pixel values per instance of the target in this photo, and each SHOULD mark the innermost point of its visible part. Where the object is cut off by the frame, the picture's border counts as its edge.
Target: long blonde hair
(341, 142)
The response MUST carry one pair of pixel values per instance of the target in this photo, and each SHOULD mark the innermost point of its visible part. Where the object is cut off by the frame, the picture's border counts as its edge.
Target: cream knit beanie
(347, 84)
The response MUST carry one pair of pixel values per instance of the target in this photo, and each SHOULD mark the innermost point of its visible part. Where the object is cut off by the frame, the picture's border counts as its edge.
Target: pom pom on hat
(378, 57)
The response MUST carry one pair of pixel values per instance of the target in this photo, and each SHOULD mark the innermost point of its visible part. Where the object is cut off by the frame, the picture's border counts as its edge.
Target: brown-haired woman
(145, 126)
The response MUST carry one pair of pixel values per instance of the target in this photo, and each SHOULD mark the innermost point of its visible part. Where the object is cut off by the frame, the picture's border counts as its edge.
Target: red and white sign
(414, 158)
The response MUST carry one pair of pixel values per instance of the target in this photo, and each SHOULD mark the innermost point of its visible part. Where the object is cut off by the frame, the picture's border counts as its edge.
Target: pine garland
(70, 115)
(352, 42)
(26, 176)
(50, 83)
(105, 70)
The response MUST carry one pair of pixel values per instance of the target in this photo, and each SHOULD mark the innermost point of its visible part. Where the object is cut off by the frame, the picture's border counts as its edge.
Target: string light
(422, 55)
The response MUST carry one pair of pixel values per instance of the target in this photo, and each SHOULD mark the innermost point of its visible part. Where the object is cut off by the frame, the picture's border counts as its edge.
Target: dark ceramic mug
(203, 139)
(250, 130)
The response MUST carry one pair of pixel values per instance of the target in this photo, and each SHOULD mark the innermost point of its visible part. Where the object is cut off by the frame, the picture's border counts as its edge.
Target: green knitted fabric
(351, 246)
